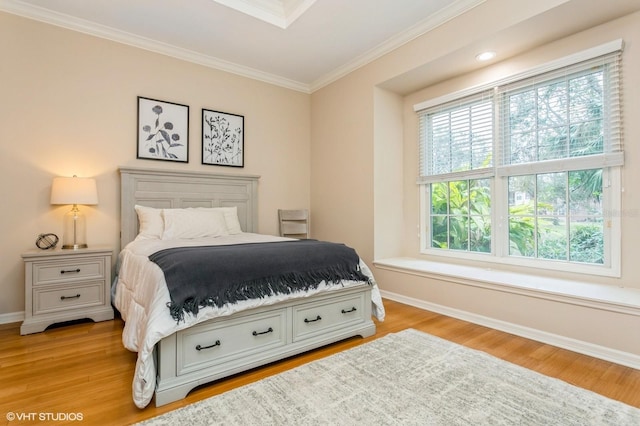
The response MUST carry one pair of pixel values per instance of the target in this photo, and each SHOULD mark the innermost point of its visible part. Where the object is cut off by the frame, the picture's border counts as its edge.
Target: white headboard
(178, 189)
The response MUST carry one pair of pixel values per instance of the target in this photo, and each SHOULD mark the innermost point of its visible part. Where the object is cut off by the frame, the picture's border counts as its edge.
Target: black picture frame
(222, 138)
(163, 130)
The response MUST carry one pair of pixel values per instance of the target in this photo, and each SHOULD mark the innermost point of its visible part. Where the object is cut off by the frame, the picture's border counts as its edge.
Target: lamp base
(74, 246)
(75, 235)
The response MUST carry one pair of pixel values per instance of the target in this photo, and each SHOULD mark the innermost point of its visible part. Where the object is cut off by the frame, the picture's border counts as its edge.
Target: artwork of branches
(163, 130)
(222, 138)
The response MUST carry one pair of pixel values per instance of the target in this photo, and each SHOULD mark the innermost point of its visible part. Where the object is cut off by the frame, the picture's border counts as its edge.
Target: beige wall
(371, 198)
(68, 106)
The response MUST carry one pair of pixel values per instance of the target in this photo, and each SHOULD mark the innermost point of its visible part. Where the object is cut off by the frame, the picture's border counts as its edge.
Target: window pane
(552, 238)
(552, 194)
(587, 241)
(480, 196)
(523, 112)
(459, 197)
(559, 119)
(522, 225)
(439, 233)
(585, 193)
(441, 144)
(557, 216)
(552, 105)
(439, 198)
(460, 138)
(480, 215)
(586, 97)
(480, 234)
(458, 233)
(586, 138)
(461, 215)
(522, 232)
(459, 210)
(522, 192)
(587, 216)
(481, 135)
(586, 112)
(523, 147)
(552, 143)
(551, 210)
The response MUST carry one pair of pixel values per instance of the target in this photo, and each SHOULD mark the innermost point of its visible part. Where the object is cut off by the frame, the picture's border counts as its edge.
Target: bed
(181, 346)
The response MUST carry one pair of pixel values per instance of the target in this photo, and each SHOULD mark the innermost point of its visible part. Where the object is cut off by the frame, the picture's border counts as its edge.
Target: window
(525, 170)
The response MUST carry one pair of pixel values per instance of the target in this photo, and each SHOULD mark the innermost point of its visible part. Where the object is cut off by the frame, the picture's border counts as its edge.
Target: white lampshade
(74, 190)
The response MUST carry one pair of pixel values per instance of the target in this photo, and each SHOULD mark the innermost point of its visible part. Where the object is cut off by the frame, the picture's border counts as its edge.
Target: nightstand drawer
(54, 272)
(70, 297)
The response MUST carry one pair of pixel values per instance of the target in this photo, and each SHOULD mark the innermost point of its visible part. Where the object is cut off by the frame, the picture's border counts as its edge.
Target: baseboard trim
(579, 346)
(12, 317)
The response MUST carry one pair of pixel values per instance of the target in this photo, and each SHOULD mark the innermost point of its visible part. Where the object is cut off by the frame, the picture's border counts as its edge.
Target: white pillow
(230, 217)
(193, 223)
(151, 224)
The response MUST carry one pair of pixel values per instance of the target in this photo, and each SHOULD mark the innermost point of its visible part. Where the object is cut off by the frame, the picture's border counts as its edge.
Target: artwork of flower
(163, 130)
(222, 138)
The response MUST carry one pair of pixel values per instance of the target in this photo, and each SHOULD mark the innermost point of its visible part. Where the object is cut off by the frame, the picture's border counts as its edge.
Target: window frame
(609, 162)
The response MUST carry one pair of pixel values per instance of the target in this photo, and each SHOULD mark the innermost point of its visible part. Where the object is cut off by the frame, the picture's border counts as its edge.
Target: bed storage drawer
(316, 318)
(219, 343)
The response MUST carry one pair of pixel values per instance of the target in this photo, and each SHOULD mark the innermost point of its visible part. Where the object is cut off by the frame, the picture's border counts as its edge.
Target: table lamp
(74, 190)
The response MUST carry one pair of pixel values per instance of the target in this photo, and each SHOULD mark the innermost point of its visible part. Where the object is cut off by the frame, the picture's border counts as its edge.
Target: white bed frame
(221, 347)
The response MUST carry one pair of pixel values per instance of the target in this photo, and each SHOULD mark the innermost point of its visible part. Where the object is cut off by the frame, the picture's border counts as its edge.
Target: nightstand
(64, 285)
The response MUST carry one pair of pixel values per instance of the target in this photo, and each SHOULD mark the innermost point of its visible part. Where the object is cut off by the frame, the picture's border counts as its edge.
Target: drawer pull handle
(270, 330)
(350, 310)
(77, 296)
(307, 320)
(69, 271)
(199, 348)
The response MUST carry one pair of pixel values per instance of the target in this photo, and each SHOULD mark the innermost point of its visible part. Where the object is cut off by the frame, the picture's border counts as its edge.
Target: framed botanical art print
(222, 138)
(163, 130)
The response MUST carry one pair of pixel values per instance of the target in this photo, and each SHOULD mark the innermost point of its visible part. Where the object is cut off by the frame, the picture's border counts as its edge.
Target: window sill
(600, 296)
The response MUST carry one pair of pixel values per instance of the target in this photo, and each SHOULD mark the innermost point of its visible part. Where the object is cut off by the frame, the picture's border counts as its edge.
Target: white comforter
(141, 296)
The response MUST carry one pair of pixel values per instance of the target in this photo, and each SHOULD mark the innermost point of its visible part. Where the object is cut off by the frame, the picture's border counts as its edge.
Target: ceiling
(301, 44)
(307, 44)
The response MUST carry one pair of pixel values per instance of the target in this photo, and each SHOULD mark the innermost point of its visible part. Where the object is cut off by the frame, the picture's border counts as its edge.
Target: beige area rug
(406, 378)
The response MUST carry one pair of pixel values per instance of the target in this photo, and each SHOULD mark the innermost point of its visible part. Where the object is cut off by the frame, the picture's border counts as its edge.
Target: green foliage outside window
(565, 223)
(461, 215)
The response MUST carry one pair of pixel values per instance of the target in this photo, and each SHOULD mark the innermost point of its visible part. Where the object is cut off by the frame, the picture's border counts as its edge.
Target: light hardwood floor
(82, 369)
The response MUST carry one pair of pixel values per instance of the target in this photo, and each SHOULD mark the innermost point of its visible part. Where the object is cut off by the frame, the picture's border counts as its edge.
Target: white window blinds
(566, 119)
(457, 139)
(562, 115)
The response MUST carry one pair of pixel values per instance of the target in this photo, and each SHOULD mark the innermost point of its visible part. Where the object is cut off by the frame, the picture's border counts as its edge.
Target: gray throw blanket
(216, 275)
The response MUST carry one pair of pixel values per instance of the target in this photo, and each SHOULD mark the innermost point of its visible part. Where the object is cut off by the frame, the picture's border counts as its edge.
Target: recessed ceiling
(299, 44)
(280, 13)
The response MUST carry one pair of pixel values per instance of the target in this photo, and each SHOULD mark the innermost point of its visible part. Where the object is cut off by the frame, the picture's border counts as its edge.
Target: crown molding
(91, 28)
(41, 14)
(444, 15)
